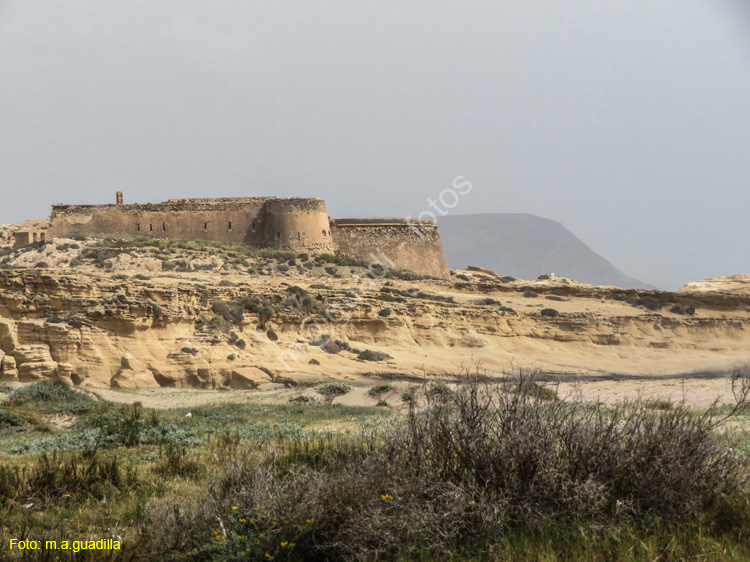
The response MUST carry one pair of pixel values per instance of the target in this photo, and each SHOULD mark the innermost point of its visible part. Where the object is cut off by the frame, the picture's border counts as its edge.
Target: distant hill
(526, 246)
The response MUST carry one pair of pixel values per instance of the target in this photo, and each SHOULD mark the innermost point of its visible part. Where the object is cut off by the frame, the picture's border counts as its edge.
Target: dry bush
(472, 467)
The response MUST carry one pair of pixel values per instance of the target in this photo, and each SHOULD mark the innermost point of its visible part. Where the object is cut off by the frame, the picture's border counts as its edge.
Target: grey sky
(627, 121)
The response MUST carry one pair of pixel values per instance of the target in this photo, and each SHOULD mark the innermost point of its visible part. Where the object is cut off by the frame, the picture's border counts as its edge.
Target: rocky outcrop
(32, 354)
(37, 370)
(133, 373)
(730, 284)
(168, 330)
(126, 262)
(8, 339)
(246, 378)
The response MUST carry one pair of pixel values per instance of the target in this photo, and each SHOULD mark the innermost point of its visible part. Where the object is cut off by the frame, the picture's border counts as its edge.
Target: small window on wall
(278, 235)
(164, 227)
(324, 234)
(138, 227)
(205, 226)
(230, 225)
(253, 227)
(151, 228)
(299, 236)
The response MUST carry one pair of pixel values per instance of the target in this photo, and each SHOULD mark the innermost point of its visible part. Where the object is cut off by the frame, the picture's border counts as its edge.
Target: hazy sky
(628, 121)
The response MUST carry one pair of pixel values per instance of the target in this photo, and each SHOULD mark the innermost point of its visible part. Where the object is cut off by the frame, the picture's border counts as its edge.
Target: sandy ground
(699, 393)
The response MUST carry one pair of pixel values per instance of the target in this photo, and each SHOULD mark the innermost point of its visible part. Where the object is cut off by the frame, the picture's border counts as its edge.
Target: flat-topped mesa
(291, 224)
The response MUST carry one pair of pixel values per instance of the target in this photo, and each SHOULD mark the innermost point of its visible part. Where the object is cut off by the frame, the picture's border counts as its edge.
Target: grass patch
(56, 396)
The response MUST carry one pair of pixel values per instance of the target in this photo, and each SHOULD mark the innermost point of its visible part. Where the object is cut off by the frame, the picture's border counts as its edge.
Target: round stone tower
(297, 225)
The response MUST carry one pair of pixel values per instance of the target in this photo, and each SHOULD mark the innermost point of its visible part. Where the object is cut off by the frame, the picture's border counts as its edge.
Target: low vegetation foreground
(470, 471)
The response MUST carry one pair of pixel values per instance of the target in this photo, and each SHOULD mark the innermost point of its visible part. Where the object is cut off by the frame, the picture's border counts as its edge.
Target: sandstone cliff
(216, 321)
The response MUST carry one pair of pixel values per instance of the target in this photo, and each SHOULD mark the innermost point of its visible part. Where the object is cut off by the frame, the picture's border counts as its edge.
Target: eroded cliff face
(236, 331)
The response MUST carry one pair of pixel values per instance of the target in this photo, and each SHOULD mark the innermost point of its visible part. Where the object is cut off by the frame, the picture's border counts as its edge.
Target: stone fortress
(290, 224)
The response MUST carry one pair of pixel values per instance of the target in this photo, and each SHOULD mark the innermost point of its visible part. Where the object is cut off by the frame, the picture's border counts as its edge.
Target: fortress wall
(409, 245)
(299, 225)
(232, 225)
(290, 224)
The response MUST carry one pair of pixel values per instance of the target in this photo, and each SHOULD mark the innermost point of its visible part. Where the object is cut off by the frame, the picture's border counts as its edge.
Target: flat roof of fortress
(199, 203)
(385, 222)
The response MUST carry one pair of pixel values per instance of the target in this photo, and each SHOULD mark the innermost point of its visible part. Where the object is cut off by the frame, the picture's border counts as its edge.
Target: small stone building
(26, 237)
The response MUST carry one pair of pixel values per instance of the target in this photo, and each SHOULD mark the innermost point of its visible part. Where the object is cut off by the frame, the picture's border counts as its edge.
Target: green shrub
(650, 303)
(369, 355)
(530, 294)
(8, 420)
(439, 390)
(333, 389)
(176, 462)
(390, 298)
(627, 297)
(686, 309)
(56, 395)
(385, 312)
(231, 312)
(273, 336)
(74, 321)
(341, 259)
(404, 275)
(555, 298)
(379, 389)
(549, 312)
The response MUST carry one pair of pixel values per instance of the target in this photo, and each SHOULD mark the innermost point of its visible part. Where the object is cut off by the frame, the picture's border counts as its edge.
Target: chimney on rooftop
(119, 197)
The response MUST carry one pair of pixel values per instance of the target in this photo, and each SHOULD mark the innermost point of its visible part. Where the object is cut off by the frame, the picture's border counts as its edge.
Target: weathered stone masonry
(394, 242)
(299, 225)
